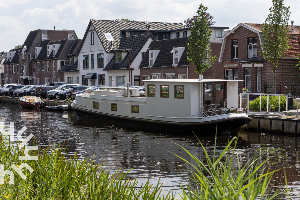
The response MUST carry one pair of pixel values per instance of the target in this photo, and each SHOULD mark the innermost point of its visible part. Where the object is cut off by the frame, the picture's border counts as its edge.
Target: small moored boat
(58, 108)
(31, 102)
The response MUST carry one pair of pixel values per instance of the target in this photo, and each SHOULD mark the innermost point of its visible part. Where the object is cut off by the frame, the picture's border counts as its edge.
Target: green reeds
(56, 176)
(226, 177)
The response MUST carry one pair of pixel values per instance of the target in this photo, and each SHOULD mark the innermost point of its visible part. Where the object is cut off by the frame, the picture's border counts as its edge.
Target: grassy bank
(55, 176)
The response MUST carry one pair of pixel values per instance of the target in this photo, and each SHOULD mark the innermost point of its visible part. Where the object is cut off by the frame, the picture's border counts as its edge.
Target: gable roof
(114, 27)
(294, 41)
(74, 50)
(165, 56)
(15, 59)
(134, 44)
(29, 40)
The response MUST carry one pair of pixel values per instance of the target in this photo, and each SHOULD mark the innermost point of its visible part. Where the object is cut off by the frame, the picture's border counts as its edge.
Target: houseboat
(183, 103)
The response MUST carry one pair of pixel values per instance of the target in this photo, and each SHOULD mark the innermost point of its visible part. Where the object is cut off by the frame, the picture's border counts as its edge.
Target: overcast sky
(19, 17)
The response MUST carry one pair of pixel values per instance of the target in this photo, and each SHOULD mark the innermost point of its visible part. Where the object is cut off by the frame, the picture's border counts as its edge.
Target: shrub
(273, 103)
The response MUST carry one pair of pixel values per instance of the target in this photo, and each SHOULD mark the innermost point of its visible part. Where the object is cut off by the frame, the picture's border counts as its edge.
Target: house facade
(25, 65)
(167, 59)
(112, 50)
(242, 60)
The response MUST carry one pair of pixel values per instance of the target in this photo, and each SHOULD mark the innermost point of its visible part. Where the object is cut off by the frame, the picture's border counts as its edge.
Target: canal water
(147, 155)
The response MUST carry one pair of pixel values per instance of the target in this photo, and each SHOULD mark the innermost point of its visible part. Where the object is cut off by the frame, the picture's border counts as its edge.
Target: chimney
(54, 27)
(292, 22)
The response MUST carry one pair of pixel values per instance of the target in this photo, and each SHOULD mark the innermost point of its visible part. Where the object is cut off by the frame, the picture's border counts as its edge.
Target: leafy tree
(198, 44)
(275, 31)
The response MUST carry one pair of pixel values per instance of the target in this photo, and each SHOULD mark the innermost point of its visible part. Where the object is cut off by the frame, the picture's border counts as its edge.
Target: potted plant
(244, 90)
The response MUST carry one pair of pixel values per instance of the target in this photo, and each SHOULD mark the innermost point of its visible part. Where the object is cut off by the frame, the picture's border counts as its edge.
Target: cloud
(9, 3)
(13, 33)
(75, 14)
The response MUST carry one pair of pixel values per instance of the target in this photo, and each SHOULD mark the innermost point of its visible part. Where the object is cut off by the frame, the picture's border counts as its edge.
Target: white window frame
(151, 58)
(235, 46)
(156, 76)
(181, 76)
(234, 77)
(251, 47)
(246, 77)
(217, 33)
(170, 75)
(48, 66)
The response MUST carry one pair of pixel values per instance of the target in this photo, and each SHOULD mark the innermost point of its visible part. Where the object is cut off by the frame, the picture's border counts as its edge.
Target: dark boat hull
(25, 104)
(161, 128)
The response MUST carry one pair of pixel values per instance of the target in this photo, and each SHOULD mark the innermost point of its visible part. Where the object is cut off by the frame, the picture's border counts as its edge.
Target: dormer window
(44, 36)
(70, 36)
(175, 61)
(53, 50)
(218, 33)
(118, 56)
(252, 47)
(151, 60)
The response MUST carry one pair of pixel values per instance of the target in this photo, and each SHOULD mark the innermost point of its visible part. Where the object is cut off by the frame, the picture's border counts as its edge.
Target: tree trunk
(274, 81)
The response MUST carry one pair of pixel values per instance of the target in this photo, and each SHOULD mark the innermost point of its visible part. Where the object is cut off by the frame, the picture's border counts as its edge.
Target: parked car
(6, 87)
(51, 94)
(30, 89)
(42, 90)
(12, 89)
(142, 91)
(17, 92)
(57, 84)
(76, 89)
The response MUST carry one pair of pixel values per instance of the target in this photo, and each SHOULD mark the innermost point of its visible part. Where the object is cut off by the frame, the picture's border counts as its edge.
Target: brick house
(167, 58)
(20, 66)
(242, 60)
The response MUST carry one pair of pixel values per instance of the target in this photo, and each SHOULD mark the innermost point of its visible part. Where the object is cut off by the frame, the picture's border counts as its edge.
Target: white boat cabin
(190, 97)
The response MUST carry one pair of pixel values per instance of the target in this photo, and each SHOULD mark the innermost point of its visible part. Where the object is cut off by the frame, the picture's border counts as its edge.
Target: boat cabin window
(134, 108)
(179, 91)
(114, 107)
(151, 90)
(164, 91)
(95, 105)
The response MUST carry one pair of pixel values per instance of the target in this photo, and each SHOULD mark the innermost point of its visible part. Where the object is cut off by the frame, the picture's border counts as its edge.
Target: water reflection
(150, 156)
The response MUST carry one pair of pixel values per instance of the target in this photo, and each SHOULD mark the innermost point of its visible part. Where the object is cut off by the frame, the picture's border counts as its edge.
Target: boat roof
(189, 80)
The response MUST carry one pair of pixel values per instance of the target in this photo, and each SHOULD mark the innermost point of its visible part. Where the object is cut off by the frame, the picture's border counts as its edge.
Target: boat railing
(247, 96)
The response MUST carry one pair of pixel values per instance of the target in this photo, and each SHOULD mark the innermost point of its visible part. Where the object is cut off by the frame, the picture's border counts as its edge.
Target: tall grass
(225, 177)
(56, 176)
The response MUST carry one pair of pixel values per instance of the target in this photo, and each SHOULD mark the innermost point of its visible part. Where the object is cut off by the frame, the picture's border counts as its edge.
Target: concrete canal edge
(48, 102)
(282, 124)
